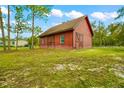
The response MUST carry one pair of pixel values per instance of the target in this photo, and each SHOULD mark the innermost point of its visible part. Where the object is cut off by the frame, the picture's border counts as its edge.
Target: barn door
(79, 40)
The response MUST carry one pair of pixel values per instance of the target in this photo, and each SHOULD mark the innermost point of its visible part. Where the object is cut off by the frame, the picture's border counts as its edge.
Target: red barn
(76, 33)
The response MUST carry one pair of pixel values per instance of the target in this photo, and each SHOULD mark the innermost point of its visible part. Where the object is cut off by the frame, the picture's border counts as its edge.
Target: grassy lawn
(96, 67)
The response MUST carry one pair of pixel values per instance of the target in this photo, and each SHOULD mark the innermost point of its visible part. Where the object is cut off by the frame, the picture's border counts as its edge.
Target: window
(62, 39)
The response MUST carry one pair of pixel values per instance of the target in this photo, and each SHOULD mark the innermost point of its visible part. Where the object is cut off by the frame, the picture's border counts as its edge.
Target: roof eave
(89, 25)
(56, 32)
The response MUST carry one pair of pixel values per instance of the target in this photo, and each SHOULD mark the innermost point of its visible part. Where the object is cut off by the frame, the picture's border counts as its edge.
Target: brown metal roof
(62, 27)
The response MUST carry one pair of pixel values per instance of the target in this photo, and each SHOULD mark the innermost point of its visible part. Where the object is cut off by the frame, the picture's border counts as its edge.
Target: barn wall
(83, 28)
(67, 44)
(68, 40)
(43, 42)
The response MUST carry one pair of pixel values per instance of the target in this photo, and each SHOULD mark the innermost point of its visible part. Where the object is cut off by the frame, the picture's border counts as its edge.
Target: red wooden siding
(48, 42)
(84, 30)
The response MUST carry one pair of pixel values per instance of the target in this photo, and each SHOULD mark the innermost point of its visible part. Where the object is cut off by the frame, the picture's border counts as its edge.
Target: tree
(120, 13)
(99, 33)
(121, 25)
(20, 23)
(2, 30)
(120, 36)
(94, 28)
(35, 41)
(37, 12)
(37, 31)
(9, 27)
(102, 32)
(111, 35)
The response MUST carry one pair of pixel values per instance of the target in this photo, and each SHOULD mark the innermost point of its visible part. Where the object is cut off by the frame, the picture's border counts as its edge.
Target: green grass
(96, 67)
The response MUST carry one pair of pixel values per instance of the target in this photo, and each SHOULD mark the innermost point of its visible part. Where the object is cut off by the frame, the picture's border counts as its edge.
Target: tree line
(111, 35)
(21, 24)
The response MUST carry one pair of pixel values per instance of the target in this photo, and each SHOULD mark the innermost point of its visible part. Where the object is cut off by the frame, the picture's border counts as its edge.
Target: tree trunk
(8, 27)
(2, 29)
(17, 34)
(100, 37)
(32, 43)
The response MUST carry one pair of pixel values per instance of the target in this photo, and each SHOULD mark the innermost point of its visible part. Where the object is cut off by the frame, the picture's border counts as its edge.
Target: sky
(63, 13)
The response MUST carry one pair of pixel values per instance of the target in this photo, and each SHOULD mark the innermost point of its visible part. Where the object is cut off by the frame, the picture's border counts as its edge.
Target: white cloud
(71, 14)
(4, 10)
(56, 12)
(113, 14)
(74, 14)
(104, 15)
